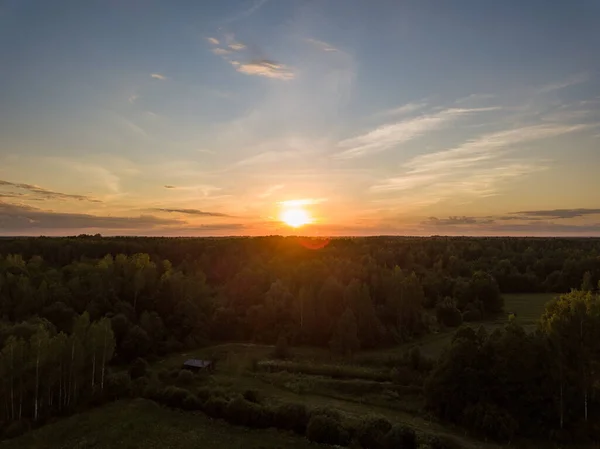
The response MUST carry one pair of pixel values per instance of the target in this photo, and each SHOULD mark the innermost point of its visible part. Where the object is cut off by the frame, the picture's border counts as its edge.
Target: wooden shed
(198, 365)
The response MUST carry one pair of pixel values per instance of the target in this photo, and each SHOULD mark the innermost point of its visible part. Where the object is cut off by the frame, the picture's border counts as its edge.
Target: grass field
(528, 307)
(143, 424)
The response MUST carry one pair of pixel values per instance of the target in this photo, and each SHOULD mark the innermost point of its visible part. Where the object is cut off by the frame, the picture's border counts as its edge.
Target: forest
(75, 312)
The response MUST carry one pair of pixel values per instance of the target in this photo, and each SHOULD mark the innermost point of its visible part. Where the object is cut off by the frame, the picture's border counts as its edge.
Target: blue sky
(212, 118)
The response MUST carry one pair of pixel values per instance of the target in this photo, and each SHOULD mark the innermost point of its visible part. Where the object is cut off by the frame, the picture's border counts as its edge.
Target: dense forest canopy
(162, 294)
(70, 306)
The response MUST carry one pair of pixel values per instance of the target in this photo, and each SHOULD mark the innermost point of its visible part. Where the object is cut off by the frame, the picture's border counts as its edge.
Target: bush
(281, 348)
(192, 402)
(403, 375)
(118, 385)
(441, 442)
(245, 413)
(328, 412)
(215, 406)
(292, 417)
(185, 377)
(471, 315)
(204, 393)
(326, 430)
(448, 314)
(400, 437)
(372, 431)
(174, 396)
(138, 386)
(16, 428)
(252, 396)
(138, 368)
(491, 421)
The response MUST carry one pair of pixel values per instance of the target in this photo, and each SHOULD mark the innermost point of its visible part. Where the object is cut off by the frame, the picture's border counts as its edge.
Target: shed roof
(197, 363)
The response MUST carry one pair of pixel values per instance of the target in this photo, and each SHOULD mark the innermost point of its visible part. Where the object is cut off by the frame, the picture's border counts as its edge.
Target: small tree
(345, 339)
(587, 285)
(281, 348)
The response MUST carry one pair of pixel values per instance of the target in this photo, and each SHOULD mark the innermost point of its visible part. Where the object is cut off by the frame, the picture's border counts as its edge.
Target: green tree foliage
(511, 381)
(448, 314)
(345, 338)
(372, 431)
(49, 372)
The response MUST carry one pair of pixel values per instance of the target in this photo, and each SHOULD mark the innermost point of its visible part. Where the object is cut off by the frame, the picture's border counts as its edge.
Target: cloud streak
(41, 193)
(191, 212)
(22, 218)
(391, 135)
(158, 76)
(559, 213)
(265, 68)
(467, 170)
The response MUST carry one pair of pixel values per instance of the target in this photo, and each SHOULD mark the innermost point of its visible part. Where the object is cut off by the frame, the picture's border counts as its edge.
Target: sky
(197, 118)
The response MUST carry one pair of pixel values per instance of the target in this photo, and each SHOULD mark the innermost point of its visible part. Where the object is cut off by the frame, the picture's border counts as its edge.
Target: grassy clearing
(528, 307)
(143, 424)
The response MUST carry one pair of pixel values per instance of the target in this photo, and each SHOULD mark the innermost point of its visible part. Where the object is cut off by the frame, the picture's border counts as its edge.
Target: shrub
(400, 437)
(328, 412)
(292, 417)
(282, 350)
(242, 412)
(442, 442)
(403, 375)
(448, 314)
(471, 315)
(252, 396)
(16, 428)
(372, 431)
(185, 377)
(490, 420)
(138, 386)
(192, 402)
(204, 393)
(138, 368)
(118, 385)
(215, 406)
(174, 396)
(326, 430)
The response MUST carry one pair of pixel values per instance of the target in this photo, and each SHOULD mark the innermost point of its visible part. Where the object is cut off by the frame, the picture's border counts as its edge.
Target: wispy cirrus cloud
(265, 68)
(213, 40)
(573, 80)
(247, 12)
(158, 76)
(221, 51)
(270, 191)
(40, 192)
(322, 45)
(267, 157)
(486, 147)
(468, 168)
(390, 135)
(404, 109)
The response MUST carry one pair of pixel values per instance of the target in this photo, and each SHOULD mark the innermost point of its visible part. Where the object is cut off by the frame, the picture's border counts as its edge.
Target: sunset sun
(295, 217)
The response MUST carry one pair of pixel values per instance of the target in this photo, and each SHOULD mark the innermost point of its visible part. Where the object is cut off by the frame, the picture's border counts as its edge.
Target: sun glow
(295, 217)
